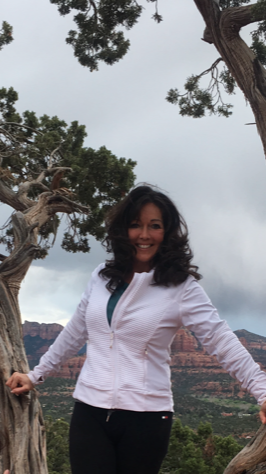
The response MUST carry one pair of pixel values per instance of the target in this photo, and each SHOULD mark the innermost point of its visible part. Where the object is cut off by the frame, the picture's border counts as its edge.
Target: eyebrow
(152, 220)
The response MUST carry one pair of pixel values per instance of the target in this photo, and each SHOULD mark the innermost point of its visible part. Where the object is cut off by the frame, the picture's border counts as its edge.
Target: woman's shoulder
(99, 268)
(96, 272)
(93, 278)
(189, 288)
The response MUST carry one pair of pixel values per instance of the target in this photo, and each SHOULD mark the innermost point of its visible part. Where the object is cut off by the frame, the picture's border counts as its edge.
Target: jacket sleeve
(201, 317)
(67, 344)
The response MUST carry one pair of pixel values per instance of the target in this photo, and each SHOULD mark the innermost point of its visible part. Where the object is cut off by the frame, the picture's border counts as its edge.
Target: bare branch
(58, 200)
(95, 9)
(57, 168)
(50, 164)
(25, 187)
(10, 136)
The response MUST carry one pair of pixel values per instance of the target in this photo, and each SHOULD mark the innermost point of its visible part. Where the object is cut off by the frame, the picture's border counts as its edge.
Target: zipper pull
(111, 339)
(109, 413)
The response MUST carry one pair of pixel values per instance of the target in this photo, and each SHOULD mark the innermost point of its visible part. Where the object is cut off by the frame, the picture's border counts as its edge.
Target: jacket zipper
(114, 351)
(111, 339)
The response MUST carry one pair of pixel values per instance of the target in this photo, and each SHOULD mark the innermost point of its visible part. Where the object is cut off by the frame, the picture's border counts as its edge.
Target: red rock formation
(188, 352)
(71, 369)
(45, 331)
(184, 341)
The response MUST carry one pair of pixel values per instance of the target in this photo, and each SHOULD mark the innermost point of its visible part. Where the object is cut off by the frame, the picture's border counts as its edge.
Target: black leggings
(128, 443)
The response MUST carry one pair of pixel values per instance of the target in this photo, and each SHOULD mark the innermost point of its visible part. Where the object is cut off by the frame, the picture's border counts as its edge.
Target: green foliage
(194, 404)
(259, 10)
(198, 452)
(259, 35)
(95, 178)
(259, 49)
(57, 434)
(56, 395)
(227, 81)
(5, 34)
(97, 38)
(232, 3)
(197, 101)
(8, 97)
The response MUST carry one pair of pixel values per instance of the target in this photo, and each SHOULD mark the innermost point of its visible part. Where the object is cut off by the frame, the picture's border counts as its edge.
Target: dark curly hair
(172, 263)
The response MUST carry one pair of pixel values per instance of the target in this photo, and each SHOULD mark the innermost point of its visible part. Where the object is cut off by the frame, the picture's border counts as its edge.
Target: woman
(129, 314)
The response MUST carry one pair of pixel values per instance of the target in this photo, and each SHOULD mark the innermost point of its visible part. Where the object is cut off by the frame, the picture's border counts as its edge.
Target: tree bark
(21, 421)
(222, 29)
(252, 458)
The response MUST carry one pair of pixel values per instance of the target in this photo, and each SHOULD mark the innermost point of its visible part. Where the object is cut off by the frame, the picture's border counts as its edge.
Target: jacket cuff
(35, 378)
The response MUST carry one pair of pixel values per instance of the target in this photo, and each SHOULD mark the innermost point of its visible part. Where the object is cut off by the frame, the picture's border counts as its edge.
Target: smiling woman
(147, 231)
(129, 314)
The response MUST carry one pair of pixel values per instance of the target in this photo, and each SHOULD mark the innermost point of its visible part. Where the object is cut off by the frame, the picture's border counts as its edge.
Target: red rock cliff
(45, 331)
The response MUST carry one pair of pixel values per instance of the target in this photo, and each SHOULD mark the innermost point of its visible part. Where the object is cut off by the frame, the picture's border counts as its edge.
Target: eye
(133, 225)
(156, 226)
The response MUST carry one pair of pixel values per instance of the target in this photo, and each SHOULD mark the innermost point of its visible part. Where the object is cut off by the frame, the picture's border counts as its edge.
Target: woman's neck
(138, 268)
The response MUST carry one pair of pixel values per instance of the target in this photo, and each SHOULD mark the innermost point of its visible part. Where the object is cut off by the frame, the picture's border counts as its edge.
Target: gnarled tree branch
(250, 76)
(9, 197)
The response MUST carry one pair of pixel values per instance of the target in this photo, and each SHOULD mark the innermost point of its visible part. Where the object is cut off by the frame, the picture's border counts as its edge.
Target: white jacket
(128, 364)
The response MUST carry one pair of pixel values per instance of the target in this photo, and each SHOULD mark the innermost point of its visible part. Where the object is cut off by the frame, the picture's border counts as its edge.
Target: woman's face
(146, 233)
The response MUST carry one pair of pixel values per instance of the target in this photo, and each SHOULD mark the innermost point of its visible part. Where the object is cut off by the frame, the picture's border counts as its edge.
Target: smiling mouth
(143, 246)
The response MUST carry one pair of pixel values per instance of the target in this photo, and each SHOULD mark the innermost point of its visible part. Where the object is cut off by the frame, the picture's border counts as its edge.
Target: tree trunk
(222, 29)
(252, 459)
(21, 421)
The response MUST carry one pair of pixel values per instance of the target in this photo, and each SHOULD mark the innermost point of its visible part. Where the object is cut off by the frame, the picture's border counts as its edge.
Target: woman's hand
(19, 383)
(263, 413)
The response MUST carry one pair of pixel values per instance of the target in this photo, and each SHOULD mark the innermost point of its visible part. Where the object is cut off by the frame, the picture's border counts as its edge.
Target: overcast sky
(213, 168)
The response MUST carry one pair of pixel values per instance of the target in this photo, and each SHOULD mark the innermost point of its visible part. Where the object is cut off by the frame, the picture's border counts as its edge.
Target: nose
(144, 234)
